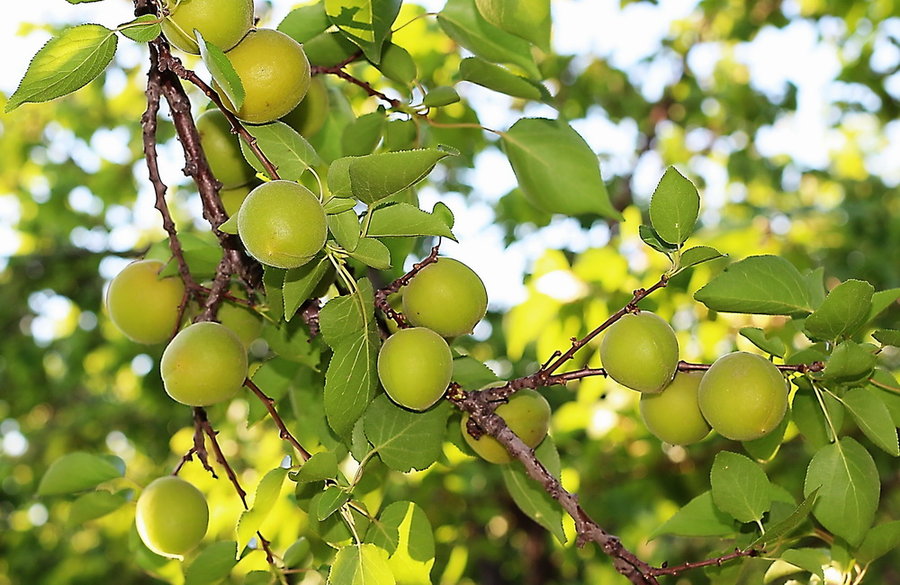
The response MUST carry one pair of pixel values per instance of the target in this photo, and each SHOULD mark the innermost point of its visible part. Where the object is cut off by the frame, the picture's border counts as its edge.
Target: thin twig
(381, 295)
(279, 422)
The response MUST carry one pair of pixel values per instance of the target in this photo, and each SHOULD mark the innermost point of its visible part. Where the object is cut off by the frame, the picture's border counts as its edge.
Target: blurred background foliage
(75, 206)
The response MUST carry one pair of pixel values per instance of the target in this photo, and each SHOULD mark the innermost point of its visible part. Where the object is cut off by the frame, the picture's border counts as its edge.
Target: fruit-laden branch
(279, 422)
(199, 446)
(381, 295)
(338, 70)
(684, 366)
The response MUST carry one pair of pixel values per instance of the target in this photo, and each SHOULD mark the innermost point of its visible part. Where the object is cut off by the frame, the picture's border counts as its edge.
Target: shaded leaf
(879, 541)
(291, 154)
(850, 362)
(300, 282)
(531, 497)
(65, 64)
(873, 418)
(758, 337)
(766, 285)
(699, 517)
(329, 501)
(843, 312)
(496, 78)
(810, 560)
(345, 229)
(652, 239)
(305, 22)
(471, 374)
(94, 505)
(76, 472)
(213, 564)
(697, 255)
(403, 439)
(319, 467)
(881, 300)
(740, 487)
(887, 337)
(142, 29)
(372, 252)
(440, 96)
(787, 526)
(374, 177)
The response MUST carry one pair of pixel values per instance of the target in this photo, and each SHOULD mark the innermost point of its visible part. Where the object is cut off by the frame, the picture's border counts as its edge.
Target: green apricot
(221, 22)
(446, 297)
(274, 72)
(172, 516)
(743, 396)
(527, 414)
(204, 364)
(640, 351)
(674, 415)
(414, 366)
(142, 305)
(309, 117)
(282, 224)
(223, 150)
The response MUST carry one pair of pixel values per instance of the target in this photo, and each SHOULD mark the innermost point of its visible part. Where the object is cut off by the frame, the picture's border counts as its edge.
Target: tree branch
(279, 422)
(381, 295)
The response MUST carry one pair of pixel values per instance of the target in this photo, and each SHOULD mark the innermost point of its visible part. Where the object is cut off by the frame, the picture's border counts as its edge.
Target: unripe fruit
(743, 396)
(282, 224)
(674, 415)
(640, 351)
(143, 306)
(527, 414)
(221, 22)
(204, 364)
(446, 297)
(172, 516)
(414, 366)
(274, 72)
(232, 199)
(309, 117)
(223, 150)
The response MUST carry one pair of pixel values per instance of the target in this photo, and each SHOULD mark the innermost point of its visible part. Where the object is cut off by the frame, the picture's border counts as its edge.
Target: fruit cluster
(742, 396)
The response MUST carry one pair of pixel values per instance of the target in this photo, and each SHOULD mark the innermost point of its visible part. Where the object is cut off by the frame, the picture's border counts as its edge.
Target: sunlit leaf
(699, 517)
(529, 19)
(843, 312)
(213, 564)
(403, 439)
(363, 564)
(222, 71)
(767, 285)
(674, 207)
(76, 472)
(740, 487)
(365, 22)
(403, 530)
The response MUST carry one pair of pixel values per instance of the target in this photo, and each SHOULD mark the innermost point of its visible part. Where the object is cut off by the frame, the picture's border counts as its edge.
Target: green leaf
(321, 466)
(213, 564)
(766, 447)
(202, 254)
(329, 501)
(94, 505)
(810, 560)
(472, 374)
(403, 439)
(328, 49)
(463, 23)
(850, 489)
(697, 255)
(531, 497)
(359, 444)
(556, 169)
(65, 64)
(882, 300)
(363, 564)
(403, 530)
(305, 22)
(674, 207)
(765, 285)
(843, 312)
(345, 229)
(361, 136)
(397, 64)
(273, 281)
(440, 96)
(267, 493)
(365, 22)
(850, 362)
(879, 541)
(528, 19)
(348, 326)
(142, 29)
(787, 526)
(222, 71)
(740, 487)
(297, 553)
(291, 154)
(299, 284)
(372, 252)
(374, 177)
(76, 472)
(496, 78)
(887, 337)
(652, 239)
(699, 517)
(873, 418)
(403, 219)
(230, 225)
(260, 578)
(339, 204)
(807, 415)
(758, 337)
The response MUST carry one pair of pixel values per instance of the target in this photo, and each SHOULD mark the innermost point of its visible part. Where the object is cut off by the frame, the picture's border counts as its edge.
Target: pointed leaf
(291, 154)
(374, 177)
(222, 71)
(299, 284)
(699, 517)
(843, 312)
(496, 78)
(740, 487)
(329, 501)
(345, 229)
(403, 530)
(556, 168)
(305, 22)
(440, 96)
(472, 374)
(887, 337)
(372, 253)
(873, 418)
(364, 564)
(765, 285)
(404, 439)
(94, 505)
(532, 498)
(463, 23)
(882, 300)
(758, 337)
(808, 559)
(213, 564)
(787, 526)
(850, 488)
(403, 219)
(142, 29)
(652, 239)
(529, 19)
(273, 281)
(361, 136)
(267, 493)
(850, 362)
(879, 541)
(365, 22)
(76, 472)
(674, 207)
(698, 255)
(320, 467)
(65, 64)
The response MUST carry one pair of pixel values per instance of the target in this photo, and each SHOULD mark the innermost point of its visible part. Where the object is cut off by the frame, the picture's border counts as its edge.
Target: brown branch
(812, 367)
(339, 71)
(279, 422)
(714, 562)
(381, 295)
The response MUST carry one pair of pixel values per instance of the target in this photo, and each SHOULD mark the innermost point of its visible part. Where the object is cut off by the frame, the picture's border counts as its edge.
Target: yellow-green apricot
(221, 22)
(640, 351)
(447, 297)
(674, 414)
(142, 305)
(204, 364)
(527, 414)
(309, 117)
(172, 516)
(414, 366)
(223, 150)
